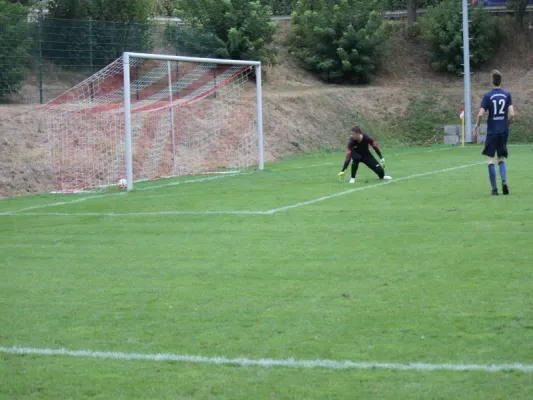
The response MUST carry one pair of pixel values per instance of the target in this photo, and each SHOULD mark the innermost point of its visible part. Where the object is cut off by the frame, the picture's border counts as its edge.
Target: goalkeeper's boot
(352, 180)
(387, 178)
(494, 192)
(505, 188)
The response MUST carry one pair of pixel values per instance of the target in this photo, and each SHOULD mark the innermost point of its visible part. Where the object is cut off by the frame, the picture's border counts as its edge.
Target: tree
(519, 8)
(442, 28)
(15, 47)
(163, 7)
(243, 28)
(70, 9)
(339, 41)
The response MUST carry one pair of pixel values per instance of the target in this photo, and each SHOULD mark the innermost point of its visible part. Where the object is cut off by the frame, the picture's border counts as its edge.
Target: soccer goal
(150, 116)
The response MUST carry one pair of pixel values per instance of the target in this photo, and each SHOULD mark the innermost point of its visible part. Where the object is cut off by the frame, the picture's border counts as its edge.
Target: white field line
(426, 151)
(331, 196)
(248, 362)
(248, 212)
(161, 186)
(151, 187)
(139, 214)
(302, 167)
(61, 203)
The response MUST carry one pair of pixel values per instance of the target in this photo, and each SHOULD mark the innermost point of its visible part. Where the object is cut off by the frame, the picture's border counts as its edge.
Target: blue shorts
(496, 144)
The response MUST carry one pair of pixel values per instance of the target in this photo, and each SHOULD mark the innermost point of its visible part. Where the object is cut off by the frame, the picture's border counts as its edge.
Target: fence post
(40, 43)
(91, 46)
(138, 43)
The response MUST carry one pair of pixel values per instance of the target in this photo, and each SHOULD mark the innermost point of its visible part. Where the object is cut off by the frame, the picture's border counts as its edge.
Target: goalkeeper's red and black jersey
(363, 147)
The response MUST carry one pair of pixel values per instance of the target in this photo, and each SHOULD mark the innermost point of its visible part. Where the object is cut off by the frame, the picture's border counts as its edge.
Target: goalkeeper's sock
(503, 172)
(492, 177)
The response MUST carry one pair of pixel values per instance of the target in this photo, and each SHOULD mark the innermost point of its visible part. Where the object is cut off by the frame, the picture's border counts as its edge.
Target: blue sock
(503, 171)
(492, 176)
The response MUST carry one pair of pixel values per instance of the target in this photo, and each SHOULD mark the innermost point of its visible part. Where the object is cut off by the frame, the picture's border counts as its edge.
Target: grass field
(288, 271)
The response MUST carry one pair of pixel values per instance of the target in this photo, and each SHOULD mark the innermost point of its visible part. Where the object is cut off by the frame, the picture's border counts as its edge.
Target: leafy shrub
(339, 41)
(243, 28)
(442, 29)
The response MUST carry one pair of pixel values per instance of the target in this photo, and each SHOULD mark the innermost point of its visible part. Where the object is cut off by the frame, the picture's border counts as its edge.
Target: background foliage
(339, 41)
(15, 47)
(243, 28)
(443, 32)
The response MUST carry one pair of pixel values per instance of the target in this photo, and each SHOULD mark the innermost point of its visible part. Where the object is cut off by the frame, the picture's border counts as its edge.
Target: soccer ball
(122, 184)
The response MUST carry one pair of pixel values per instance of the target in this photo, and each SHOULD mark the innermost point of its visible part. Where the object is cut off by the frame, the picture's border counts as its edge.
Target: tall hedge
(339, 41)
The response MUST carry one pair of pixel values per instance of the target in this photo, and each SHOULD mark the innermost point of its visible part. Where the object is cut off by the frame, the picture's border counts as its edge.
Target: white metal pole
(466, 64)
(171, 113)
(127, 119)
(261, 158)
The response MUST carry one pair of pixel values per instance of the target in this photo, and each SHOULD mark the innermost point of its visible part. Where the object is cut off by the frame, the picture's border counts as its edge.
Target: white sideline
(331, 196)
(290, 362)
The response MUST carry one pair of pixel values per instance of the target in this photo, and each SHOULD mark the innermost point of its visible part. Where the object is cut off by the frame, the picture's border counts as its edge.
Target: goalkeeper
(359, 151)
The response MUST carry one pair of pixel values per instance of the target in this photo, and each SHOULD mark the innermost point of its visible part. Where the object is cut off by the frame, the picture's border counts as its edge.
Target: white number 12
(500, 103)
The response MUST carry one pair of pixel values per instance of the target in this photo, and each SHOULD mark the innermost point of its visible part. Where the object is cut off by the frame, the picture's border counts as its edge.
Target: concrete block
(451, 130)
(451, 139)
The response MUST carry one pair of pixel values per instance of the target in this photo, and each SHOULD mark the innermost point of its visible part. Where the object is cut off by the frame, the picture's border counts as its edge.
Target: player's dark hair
(496, 77)
(356, 129)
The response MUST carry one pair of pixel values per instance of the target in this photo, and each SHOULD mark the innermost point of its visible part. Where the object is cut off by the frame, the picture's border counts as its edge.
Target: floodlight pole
(466, 65)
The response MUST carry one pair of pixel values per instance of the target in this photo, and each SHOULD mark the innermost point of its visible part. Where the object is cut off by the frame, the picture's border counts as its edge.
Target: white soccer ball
(122, 184)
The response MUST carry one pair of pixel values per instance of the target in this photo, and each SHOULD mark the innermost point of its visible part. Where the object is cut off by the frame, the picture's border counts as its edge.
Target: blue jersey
(497, 102)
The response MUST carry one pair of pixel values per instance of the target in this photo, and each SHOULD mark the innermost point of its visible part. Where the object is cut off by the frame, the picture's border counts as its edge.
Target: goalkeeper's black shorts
(370, 162)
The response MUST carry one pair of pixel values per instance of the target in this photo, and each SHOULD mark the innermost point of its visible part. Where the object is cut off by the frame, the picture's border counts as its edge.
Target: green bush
(15, 46)
(339, 41)
(243, 28)
(442, 29)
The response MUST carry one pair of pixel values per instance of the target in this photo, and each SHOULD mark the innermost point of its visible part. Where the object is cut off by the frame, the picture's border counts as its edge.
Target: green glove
(383, 162)
(340, 176)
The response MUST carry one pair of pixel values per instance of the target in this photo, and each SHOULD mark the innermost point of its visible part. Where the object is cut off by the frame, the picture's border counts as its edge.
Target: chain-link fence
(42, 57)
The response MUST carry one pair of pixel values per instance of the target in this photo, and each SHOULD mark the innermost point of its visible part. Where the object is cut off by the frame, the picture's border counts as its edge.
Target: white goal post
(151, 116)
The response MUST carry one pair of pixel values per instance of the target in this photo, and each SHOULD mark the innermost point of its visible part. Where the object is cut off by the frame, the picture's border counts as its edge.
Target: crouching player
(359, 151)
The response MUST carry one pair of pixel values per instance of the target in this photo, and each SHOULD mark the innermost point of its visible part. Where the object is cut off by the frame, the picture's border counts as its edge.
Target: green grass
(436, 270)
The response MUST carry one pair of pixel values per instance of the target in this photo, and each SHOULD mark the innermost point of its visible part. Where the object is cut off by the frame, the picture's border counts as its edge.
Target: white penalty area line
(248, 362)
(247, 212)
(331, 196)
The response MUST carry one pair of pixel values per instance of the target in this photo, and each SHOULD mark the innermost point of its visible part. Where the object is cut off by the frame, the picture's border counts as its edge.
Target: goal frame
(127, 100)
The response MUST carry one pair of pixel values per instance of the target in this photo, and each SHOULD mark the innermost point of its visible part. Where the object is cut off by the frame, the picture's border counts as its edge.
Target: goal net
(149, 116)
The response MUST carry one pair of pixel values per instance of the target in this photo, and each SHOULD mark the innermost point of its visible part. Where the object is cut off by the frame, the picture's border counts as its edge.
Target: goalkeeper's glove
(383, 162)
(340, 176)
